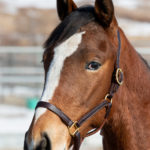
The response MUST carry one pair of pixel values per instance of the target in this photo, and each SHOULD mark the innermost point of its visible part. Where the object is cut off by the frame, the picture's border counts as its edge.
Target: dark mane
(70, 25)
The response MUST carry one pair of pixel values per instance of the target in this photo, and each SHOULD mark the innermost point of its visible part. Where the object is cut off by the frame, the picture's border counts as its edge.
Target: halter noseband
(74, 126)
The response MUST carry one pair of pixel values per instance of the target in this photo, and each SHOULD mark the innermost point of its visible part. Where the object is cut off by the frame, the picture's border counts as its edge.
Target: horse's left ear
(65, 7)
(105, 11)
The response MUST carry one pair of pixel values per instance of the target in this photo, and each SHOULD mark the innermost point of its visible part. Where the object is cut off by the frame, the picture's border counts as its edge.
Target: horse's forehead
(69, 46)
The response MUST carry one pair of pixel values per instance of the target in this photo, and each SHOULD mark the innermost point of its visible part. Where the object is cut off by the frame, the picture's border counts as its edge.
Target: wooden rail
(29, 75)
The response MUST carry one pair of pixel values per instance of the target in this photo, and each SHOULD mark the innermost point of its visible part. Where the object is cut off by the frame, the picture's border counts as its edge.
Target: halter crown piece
(74, 126)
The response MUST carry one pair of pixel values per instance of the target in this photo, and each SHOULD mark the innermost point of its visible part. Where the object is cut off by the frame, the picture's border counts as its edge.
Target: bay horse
(94, 79)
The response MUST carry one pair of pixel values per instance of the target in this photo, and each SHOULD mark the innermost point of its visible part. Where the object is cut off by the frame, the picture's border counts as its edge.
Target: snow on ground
(12, 6)
(22, 91)
(131, 4)
(52, 3)
(15, 121)
(133, 28)
(32, 3)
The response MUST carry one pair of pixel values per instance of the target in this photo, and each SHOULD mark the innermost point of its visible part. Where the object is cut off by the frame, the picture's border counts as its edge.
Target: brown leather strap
(108, 109)
(77, 141)
(55, 110)
(96, 129)
(92, 112)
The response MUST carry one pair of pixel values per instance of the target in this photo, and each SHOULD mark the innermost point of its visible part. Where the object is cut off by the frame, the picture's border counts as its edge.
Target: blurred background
(24, 26)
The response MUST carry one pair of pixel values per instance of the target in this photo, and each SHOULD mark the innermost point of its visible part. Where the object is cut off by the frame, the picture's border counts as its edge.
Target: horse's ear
(65, 7)
(105, 11)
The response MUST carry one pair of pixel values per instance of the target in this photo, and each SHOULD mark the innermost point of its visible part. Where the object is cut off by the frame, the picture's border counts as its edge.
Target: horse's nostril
(47, 142)
(44, 144)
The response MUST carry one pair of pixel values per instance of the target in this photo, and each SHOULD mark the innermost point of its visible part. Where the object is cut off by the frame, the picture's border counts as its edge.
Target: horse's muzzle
(43, 144)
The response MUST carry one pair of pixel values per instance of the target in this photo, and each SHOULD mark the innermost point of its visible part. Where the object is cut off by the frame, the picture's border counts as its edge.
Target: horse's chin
(60, 145)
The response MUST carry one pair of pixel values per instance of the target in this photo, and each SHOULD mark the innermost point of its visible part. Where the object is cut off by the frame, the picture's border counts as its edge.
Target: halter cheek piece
(74, 126)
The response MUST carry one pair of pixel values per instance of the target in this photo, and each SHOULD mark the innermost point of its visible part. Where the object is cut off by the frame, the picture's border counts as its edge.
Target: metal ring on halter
(119, 71)
(73, 129)
(108, 99)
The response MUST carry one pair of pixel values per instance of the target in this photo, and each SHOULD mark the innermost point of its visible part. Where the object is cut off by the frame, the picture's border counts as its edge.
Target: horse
(94, 79)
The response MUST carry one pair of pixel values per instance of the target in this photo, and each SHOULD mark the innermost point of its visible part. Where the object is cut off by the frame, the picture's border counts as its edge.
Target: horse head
(79, 60)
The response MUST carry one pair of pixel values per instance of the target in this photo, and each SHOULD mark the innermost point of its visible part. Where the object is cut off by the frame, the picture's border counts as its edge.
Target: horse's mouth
(46, 142)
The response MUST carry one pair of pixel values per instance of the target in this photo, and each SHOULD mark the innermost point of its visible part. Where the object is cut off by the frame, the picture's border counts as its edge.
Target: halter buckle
(73, 129)
(107, 98)
(118, 73)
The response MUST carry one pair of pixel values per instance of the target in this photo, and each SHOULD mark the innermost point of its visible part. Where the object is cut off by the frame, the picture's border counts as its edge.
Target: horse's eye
(93, 65)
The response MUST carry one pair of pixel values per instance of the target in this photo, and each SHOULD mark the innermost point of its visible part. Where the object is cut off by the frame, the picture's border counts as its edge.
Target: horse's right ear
(65, 7)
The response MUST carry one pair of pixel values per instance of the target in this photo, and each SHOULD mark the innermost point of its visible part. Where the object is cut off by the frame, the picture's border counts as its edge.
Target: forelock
(70, 25)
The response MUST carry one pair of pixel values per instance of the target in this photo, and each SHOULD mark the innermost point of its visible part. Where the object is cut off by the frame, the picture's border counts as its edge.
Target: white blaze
(61, 52)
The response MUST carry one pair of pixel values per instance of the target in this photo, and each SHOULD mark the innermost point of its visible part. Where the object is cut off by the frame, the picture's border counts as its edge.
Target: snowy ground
(52, 3)
(132, 28)
(14, 122)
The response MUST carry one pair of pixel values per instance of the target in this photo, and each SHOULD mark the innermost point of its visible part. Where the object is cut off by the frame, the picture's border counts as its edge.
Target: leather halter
(74, 127)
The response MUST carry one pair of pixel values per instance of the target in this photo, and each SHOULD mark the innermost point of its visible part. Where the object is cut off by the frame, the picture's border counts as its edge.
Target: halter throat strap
(73, 126)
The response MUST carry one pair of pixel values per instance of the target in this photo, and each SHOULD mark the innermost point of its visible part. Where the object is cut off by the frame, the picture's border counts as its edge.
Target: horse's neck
(128, 127)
